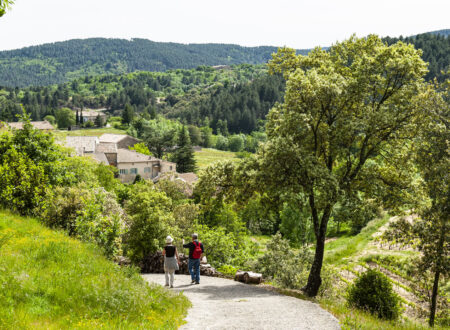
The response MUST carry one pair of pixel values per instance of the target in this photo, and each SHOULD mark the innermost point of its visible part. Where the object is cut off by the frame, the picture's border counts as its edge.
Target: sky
(294, 23)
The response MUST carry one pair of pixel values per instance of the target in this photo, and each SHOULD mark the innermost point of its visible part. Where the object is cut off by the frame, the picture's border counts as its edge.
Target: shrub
(23, 184)
(90, 214)
(373, 292)
(149, 219)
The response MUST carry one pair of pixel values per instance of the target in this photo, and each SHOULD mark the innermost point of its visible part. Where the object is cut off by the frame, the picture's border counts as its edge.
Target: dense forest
(234, 99)
(63, 61)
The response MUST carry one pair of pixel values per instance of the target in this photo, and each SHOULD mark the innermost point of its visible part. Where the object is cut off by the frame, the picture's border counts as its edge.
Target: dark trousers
(194, 269)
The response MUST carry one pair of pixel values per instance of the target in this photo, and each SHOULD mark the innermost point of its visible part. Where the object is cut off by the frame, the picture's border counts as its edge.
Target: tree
(65, 118)
(346, 115)
(77, 118)
(184, 154)
(98, 121)
(158, 136)
(430, 232)
(128, 114)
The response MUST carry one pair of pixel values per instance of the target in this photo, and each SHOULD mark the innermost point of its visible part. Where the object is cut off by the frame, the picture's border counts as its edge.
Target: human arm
(164, 251)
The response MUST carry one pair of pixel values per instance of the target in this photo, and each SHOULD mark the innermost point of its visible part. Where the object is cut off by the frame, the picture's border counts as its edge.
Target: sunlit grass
(209, 156)
(51, 281)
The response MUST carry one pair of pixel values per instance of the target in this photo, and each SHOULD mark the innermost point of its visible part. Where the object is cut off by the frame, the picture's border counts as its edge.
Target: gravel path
(225, 304)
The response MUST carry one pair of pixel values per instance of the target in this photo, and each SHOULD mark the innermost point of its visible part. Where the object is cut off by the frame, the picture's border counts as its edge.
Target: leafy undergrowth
(50, 281)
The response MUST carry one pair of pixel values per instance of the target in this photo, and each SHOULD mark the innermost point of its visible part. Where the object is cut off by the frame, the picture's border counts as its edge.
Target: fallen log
(248, 277)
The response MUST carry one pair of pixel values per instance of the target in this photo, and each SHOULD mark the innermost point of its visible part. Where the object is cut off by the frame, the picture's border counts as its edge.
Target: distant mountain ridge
(62, 61)
(59, 62)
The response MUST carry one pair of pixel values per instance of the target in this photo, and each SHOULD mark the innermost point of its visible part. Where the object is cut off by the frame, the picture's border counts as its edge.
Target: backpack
(197, 251)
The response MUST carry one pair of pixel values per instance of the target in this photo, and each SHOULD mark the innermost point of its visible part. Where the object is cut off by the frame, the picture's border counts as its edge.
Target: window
(133, 171)
(171, 168)
(123, 171)
(147, 169)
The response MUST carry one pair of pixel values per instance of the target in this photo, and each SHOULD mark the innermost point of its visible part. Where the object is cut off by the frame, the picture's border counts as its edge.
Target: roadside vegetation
(51, 281)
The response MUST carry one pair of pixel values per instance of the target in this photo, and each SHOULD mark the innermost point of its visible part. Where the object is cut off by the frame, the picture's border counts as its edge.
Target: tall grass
(50, 281)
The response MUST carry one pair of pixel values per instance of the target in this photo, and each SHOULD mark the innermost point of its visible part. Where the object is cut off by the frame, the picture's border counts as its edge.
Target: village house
(90, 115)
(41, 125)
(112, 149)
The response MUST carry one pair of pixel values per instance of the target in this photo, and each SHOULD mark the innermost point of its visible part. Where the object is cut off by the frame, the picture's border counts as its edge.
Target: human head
(194, 236)
(169, 239)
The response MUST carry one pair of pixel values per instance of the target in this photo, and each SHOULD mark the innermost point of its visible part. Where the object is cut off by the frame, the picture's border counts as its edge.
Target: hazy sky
(295, 23)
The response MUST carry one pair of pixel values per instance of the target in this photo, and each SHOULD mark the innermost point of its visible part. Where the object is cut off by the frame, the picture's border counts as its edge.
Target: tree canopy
(346, 116)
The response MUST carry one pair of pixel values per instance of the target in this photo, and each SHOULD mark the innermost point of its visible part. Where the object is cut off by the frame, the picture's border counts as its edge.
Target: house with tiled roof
(112, 149)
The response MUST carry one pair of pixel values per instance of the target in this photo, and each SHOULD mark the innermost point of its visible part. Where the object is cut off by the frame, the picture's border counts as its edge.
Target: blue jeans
(194, 269)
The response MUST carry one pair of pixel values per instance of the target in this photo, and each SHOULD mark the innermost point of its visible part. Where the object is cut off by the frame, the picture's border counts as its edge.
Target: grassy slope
(349, 254)
(51, 281)
(209, 156)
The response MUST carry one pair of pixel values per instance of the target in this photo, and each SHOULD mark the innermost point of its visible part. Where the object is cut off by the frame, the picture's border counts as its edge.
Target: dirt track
(225, 304)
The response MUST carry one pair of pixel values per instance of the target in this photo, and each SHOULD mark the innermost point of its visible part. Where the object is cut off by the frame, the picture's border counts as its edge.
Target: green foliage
(51, 119)
(373, 292)
(236, 143)
(52, 281)
(23, 184)
(222, 142)
(65, 118)
(141, 148)
(183, 155)
(342, 130)
(149, 218)
(93, 215)
(224, 248)
(295, 224)
(176, 190)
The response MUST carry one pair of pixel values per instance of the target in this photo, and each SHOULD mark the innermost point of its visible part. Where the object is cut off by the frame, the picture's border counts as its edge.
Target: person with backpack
(195, 254)
(171, 261)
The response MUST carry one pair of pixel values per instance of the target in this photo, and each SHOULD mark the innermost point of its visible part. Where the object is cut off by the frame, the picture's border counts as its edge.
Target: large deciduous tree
(346, 115)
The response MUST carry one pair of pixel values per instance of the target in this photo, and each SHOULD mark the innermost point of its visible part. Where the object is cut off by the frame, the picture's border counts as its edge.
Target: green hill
(50, 281)
(62, 61)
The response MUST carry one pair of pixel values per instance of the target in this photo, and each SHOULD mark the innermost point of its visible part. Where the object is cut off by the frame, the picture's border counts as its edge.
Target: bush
(222, 248)
(149, 220)
(90, 214)
(373, 292)
(290, 269)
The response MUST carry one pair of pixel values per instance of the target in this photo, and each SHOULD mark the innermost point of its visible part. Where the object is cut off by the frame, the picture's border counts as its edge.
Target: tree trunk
(314, 280)
(434, 297)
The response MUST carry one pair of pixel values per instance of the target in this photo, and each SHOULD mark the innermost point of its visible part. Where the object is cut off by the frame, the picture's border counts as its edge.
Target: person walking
(171, 261)
(195, 254)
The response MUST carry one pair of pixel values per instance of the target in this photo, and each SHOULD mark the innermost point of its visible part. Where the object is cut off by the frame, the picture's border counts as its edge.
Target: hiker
(171, 260)
(195, 255)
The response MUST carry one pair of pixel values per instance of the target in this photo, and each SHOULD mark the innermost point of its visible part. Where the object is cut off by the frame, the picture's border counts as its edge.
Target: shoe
(197, 282)
(171, 286)
(193, 281)
(166, 284)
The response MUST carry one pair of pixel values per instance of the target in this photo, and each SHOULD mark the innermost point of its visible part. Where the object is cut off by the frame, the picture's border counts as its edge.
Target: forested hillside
(233, 99)
(62, 61)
